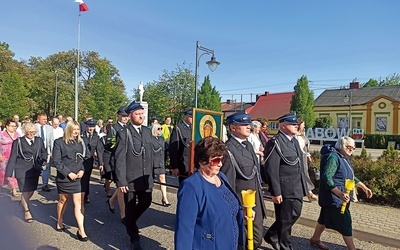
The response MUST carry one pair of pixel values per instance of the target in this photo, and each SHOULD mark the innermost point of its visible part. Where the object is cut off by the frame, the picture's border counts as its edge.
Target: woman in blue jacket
(209, 214)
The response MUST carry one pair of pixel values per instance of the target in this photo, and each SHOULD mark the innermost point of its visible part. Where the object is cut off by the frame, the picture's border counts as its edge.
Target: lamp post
(55, 96)
(349, 98)
(212, 65)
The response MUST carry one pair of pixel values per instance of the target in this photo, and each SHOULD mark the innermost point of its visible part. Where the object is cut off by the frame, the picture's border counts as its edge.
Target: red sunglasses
(216, 161)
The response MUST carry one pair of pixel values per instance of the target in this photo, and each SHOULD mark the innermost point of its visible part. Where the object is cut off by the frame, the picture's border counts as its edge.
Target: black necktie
(42, 132)
(139, 131)
(31, 142)
(247, 145)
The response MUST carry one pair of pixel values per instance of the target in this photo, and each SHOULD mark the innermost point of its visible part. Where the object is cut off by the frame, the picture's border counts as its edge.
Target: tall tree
(393, 79)
(13, 85)
(303, 101)
(208, 96)
(371, 83)
(171, 94)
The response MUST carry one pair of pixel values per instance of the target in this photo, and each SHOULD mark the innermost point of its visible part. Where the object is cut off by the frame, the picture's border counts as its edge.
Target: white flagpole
(77, 70)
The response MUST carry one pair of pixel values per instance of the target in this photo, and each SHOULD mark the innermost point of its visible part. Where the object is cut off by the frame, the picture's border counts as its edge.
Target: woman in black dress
(158, 161)
(28, 155)
(68, 154)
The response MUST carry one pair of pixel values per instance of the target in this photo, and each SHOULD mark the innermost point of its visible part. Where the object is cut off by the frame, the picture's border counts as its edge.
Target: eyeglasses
(159, 128)
(216, 161)
(351, 148)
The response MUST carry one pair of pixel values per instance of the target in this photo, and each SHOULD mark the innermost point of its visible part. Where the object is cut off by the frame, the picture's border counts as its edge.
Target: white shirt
(58, 132)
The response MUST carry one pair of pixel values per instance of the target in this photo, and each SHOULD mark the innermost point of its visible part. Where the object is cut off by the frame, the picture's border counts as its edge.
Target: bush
(381, 176)
(379, 140)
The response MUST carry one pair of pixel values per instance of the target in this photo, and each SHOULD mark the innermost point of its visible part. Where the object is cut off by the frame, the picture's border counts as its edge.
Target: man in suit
(241, 167)
(45, 131)
(134, 169)
(179, 146)
(92, 141)
(285, 177)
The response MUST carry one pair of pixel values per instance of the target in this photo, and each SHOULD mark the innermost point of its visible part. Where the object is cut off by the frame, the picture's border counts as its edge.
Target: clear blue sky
(263, 45)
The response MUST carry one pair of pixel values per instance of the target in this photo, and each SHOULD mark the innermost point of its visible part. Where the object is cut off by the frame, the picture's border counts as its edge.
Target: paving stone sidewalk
(378, 224)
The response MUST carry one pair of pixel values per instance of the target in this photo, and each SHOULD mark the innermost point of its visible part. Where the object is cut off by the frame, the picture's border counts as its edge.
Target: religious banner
(206, 123)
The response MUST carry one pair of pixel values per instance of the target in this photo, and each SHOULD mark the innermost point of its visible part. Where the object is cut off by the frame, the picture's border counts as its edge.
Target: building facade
(373, 109)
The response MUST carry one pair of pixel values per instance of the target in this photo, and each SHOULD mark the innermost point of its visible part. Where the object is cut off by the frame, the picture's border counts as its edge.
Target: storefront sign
(333, 133)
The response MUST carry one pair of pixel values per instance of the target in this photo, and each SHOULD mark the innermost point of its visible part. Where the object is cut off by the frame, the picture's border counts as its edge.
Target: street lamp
(212, 65)
(55, 96)
(349, 98)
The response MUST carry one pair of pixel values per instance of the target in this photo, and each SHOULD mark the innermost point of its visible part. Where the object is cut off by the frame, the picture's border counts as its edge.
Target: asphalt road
(105, 230)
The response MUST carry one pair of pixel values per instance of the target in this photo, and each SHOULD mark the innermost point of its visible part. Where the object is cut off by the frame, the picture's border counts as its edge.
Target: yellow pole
(249, 201)
(349, 185)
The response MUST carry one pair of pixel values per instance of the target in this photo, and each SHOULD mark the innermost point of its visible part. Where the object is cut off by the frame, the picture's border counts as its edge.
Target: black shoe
(136, 245)
(123, 220)
(274, 245)
(46, 188)
(112, 210)
(62, 229)
(165, 204)
(86, 201)
(80, 237)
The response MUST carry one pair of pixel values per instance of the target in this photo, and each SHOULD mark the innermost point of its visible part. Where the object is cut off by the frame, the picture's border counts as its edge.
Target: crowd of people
(210, 209)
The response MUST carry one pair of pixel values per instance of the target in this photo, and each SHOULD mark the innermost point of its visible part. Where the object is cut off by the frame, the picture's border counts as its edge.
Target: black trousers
(286, 214)
(136, 203)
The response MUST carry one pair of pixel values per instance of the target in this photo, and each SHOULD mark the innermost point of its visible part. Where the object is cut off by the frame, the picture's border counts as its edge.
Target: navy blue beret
(188, 112)
(90, 123)
(121, 111)
(290, 118)
(132, 107)
(239, 118)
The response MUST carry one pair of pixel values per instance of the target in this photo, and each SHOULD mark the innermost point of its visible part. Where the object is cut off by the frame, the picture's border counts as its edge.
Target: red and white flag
(82, 5)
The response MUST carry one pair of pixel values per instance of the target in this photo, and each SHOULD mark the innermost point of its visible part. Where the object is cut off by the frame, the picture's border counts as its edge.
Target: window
(273, 126)
(381, 124)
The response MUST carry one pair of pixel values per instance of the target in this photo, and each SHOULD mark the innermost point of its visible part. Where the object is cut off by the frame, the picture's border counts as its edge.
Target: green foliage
(303, 101)
(381, 176)
(363, 153)
(171, 94)
(323, 122)
(371, 83)
(379, 141)
(208, 96)
(393, 79)
(28, 88)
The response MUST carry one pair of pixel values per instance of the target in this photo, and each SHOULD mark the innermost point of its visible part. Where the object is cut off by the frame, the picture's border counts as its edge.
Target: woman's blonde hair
(69, 129)
(154, 129)
(300, 131)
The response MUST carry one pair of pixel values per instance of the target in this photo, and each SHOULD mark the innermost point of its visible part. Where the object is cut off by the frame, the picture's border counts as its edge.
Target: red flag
(82, 6)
